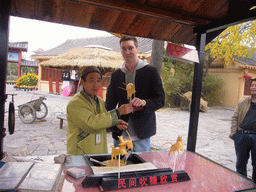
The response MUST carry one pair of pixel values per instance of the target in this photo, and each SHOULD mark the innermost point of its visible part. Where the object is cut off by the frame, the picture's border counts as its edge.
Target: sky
(45, 35)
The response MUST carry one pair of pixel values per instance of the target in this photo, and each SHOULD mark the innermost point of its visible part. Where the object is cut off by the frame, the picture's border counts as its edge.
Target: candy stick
(128, 134)
(175, 157)
(119, 166)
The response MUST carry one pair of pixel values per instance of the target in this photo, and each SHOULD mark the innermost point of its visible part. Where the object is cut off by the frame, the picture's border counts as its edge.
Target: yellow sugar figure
(118, 150)
(125, 144)
(178, 146)
(130, 88)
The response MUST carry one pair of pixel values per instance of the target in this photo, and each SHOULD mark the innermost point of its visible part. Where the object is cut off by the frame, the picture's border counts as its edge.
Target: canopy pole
(196, 93)
(5, 9)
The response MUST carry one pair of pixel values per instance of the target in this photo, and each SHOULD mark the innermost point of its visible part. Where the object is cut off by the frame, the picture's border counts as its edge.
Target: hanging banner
(181, 53)
(14, 57)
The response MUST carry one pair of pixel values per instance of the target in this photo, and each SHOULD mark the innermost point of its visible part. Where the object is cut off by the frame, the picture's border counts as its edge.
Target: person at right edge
(243, 132)
(148, 98)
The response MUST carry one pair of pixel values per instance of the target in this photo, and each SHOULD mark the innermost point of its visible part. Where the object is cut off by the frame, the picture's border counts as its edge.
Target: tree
(157, 54)
(235, 41)
(12, 69)
(25, 70)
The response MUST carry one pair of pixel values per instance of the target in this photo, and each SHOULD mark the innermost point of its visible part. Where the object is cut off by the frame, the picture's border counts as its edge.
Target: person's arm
(82, 115)
(125, 109)
(156, 99)
(111, 95)
(234, 122)
(122, 125)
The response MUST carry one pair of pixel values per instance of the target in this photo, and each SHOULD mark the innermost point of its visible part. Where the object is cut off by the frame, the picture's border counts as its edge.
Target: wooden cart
(35, 109)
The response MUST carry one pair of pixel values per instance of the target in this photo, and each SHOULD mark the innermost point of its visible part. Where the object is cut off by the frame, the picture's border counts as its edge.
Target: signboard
(140, 180)
(182, 53)
(13, 57)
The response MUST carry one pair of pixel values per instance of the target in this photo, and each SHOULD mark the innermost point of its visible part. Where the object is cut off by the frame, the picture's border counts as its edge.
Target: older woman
(88, 118)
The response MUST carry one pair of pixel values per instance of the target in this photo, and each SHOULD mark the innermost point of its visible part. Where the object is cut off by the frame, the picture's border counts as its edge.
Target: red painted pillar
(50, 85)
(100, 92)
(76, 86)
(19, 67)
(57, 86)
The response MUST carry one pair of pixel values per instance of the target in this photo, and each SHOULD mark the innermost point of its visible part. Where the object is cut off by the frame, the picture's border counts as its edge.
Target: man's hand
(125, 109)
(137, 104)
(122, 125)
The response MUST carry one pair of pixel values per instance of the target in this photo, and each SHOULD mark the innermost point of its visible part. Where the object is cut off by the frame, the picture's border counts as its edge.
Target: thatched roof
(110, 41)
(86, 56)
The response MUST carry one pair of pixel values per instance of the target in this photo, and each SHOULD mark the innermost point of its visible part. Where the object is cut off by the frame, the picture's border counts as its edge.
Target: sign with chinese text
(13, 57)
(143, 180)
(182, 53)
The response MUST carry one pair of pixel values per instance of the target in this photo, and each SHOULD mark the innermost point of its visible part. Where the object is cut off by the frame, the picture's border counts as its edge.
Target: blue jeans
(244, 144)
(142, 145)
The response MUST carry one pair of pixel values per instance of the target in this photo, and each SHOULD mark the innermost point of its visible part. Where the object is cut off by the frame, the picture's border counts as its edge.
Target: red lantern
(248, 76)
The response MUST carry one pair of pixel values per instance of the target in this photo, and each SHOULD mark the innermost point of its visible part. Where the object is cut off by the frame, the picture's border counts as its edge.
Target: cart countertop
(205, 175)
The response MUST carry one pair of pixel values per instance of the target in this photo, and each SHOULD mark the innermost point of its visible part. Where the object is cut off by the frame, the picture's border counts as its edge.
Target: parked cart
(35, 109)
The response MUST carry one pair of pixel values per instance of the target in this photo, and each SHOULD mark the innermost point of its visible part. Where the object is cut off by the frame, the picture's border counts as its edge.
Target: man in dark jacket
(148, 98)
(243, 132)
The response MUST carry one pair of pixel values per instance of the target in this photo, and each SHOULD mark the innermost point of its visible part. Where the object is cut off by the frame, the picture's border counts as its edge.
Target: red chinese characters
(163, 179)
(174, 178)
(132, 182)
(143, 181)
(177, 50)
(153, 180)
(121, 183)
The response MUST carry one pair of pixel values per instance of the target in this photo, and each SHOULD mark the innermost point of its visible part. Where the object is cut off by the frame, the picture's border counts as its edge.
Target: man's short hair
(254, 79)
(128, 38)
(89, 69)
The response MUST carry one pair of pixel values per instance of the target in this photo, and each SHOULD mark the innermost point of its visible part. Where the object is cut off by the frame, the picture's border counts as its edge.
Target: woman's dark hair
(90, 69)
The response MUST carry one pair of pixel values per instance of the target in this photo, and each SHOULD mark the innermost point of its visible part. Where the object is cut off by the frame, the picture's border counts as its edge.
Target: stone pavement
(45, 138)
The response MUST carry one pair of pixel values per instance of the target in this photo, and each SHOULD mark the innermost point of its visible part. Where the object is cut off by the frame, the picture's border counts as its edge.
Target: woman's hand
(122, 125)
(125, 109)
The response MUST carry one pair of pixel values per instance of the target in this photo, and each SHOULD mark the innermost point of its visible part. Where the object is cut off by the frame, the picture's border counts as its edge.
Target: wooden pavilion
(15, 50)
(76, 59)
(188, 22)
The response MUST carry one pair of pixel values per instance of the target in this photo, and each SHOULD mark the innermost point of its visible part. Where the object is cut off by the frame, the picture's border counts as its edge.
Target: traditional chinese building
(15, 50)
(236, 77)
(52, 63)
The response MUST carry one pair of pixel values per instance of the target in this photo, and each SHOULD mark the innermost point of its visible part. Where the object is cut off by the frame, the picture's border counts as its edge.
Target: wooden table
(205, 175)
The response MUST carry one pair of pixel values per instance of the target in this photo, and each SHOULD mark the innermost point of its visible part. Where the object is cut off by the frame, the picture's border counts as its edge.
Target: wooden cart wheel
(42, 111)
(27, 113)
(11, 118)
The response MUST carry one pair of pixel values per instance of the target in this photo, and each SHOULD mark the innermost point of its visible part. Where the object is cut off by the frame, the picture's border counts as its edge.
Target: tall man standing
(148, 98)
(243, 132)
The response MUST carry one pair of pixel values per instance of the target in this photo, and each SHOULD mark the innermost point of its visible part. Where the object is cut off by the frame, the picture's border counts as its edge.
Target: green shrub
(178, 79)
(211, 86)
(11, 78)
(28, 80)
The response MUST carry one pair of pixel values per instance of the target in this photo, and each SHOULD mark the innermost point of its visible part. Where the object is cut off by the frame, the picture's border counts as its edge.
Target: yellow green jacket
(85, 119)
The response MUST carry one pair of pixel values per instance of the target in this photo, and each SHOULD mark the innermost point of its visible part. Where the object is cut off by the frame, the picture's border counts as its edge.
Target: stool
(61, 118)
